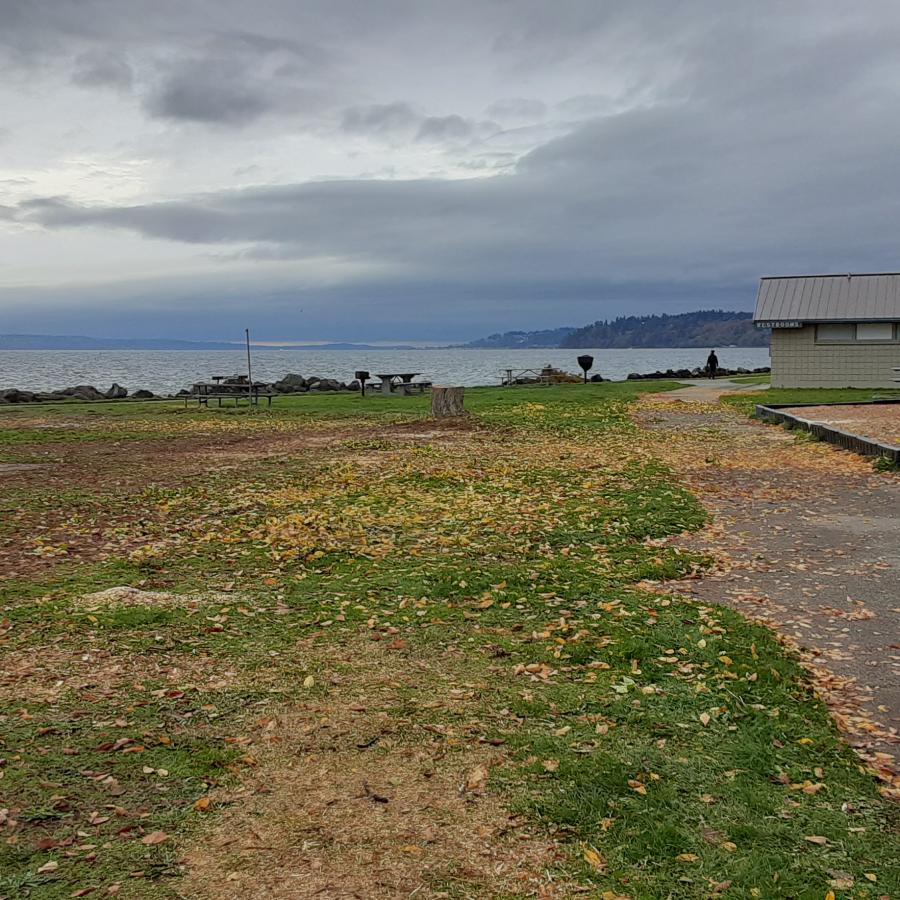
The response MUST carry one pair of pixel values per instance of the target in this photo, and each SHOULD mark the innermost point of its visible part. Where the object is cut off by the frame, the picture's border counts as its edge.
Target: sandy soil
(880, 422)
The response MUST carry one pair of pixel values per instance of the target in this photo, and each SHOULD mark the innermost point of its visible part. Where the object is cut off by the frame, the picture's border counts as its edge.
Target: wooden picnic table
(401, 382)
(203, 392)
(510, 377)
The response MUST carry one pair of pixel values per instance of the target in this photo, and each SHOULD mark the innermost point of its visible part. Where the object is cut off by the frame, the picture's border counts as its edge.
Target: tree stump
(447, 401)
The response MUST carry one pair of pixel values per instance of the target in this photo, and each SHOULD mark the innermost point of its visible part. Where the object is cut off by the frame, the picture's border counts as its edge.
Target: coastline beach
(169, 371)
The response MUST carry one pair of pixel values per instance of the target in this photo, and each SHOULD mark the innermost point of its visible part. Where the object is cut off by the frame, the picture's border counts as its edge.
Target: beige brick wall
(798, 361)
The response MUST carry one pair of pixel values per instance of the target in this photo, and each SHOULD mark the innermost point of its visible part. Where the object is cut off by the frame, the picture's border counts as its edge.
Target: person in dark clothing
(712, 364)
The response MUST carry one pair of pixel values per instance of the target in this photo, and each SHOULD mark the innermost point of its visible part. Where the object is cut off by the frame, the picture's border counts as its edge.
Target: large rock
(83, 392)
(116, 392)
(143, 395)
(290, 384)
(326, 384)
(14, 395)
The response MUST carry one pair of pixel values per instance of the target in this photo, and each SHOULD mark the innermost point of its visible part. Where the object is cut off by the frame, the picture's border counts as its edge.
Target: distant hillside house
(832, 330)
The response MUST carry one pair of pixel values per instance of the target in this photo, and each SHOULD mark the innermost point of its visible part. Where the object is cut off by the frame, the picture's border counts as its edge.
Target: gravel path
(880, 422)
(807, 539)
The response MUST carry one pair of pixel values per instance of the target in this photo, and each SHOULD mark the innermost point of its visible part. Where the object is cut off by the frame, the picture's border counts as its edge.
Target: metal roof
(829, 298)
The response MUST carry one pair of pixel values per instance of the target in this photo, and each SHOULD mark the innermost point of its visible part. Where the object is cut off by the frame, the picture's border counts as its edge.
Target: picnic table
(203, 392)
(401, 382)
(510, 377)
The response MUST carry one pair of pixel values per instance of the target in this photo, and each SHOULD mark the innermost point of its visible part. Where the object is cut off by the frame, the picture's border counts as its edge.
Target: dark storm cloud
(238, 77)
(699, 143)
(402, 122)
(673, 192)
(96, 68)
(452, 128)
(211, 91)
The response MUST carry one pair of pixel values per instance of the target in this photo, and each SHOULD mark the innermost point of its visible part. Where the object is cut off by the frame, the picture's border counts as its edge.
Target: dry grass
(351, 799)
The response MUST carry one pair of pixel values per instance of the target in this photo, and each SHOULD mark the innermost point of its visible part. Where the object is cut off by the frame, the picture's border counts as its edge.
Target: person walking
(712, 364)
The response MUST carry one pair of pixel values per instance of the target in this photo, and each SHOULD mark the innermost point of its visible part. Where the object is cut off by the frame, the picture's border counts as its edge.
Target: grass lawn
(791, 396)
(669, 748)
(751, 379)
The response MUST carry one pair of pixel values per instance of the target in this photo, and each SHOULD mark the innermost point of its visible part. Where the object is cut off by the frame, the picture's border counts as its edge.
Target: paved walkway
(807, 539)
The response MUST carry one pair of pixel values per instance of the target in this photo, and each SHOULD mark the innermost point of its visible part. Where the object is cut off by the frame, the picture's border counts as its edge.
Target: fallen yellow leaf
(593, 858)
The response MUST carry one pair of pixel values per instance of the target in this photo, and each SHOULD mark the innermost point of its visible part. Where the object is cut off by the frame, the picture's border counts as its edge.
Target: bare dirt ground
(879, 423)
(111, 476)
(806, 538)
(352, 799)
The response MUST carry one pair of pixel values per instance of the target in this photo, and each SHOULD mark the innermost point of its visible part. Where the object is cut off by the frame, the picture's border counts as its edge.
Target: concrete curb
(853, 442)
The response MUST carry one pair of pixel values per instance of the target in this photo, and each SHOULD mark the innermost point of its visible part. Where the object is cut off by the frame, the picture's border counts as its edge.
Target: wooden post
(447, 401)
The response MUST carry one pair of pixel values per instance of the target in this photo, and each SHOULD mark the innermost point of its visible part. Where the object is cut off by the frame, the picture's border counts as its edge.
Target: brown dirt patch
(109, 518)
(352, 798)
(129, 596)
(45, 673)
(879, 422)
(14, 468)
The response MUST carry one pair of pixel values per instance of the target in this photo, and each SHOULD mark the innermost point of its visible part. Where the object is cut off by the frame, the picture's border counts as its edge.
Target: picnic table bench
(203, 392)
(515, 376)
(400, 383)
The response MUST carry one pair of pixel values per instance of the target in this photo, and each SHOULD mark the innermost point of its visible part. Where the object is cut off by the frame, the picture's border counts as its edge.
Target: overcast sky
(434, 170)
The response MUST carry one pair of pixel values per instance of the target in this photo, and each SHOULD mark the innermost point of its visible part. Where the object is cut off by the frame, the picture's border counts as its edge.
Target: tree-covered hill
(525, 340)
(704, 328)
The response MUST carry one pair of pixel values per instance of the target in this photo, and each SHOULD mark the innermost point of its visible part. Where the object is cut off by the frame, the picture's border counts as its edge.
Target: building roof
(829, 298)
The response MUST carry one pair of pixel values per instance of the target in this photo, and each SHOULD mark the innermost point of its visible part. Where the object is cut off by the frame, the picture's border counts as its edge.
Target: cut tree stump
(447, 401)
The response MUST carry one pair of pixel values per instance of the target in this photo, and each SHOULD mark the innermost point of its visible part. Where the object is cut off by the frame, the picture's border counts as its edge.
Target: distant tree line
(704, 328)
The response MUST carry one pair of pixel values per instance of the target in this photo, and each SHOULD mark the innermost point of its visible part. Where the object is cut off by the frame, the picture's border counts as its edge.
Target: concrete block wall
(798, 361)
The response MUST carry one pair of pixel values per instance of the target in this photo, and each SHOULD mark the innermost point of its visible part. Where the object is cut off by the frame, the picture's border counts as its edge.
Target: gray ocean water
(166, 371)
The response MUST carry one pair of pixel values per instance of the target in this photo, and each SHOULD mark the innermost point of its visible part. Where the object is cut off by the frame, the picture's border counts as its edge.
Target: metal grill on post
(586, 362)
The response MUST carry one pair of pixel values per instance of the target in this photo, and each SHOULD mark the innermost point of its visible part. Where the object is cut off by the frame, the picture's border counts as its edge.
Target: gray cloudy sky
(423, 169)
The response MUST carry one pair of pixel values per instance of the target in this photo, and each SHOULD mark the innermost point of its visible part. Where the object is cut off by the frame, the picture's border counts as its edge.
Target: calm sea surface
(167, 371)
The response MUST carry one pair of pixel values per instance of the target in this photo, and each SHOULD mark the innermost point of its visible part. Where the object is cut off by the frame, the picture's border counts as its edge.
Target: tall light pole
(249, 369)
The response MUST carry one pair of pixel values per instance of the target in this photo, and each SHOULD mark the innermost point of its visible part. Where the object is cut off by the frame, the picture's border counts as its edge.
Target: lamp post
(249, 371)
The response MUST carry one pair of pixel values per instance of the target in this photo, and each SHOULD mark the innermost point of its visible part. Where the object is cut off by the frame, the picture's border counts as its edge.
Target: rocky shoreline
(699, 373)
(290, 384)
(236, 384)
